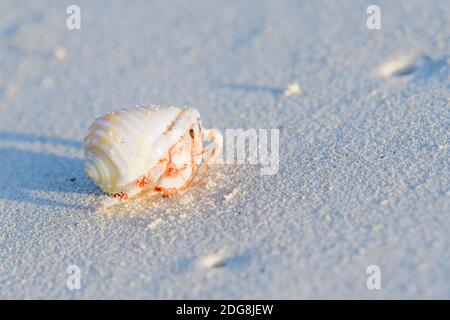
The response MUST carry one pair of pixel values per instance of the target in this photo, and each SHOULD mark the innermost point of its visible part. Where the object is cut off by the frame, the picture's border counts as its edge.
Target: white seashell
(158, 149)
(292, 89)
(403, 64)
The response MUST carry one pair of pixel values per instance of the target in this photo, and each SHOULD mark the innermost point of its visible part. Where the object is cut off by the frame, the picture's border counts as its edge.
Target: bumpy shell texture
(124, 145)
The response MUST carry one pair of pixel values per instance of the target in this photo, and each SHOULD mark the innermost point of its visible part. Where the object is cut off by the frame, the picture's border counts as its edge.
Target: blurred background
(364, 156)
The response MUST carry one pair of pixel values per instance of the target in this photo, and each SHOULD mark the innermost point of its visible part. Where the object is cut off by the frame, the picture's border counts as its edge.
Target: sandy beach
(364, 149)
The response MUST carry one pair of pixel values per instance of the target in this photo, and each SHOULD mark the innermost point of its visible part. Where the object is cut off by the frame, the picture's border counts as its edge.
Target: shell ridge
(148, 154)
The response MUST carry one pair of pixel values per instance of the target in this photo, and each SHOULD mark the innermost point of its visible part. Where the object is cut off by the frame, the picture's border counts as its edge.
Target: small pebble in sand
(402, 65)
(231, 195)
(47, 82)
(155, 223)
(215, 260)
(292, 89)
(60, 53)
(377, 227)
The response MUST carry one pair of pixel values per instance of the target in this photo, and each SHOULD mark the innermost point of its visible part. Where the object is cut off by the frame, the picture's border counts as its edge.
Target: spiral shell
(139, 148)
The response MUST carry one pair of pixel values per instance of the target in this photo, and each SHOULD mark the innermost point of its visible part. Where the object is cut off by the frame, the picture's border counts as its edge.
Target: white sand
(364, 171)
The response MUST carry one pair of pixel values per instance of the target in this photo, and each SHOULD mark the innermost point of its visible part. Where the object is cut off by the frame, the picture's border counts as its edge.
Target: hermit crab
(159, 150)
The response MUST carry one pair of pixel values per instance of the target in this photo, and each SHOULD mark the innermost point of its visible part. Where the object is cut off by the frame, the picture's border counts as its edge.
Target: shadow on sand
(429, 67)
(252, 88)
(25, 175)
